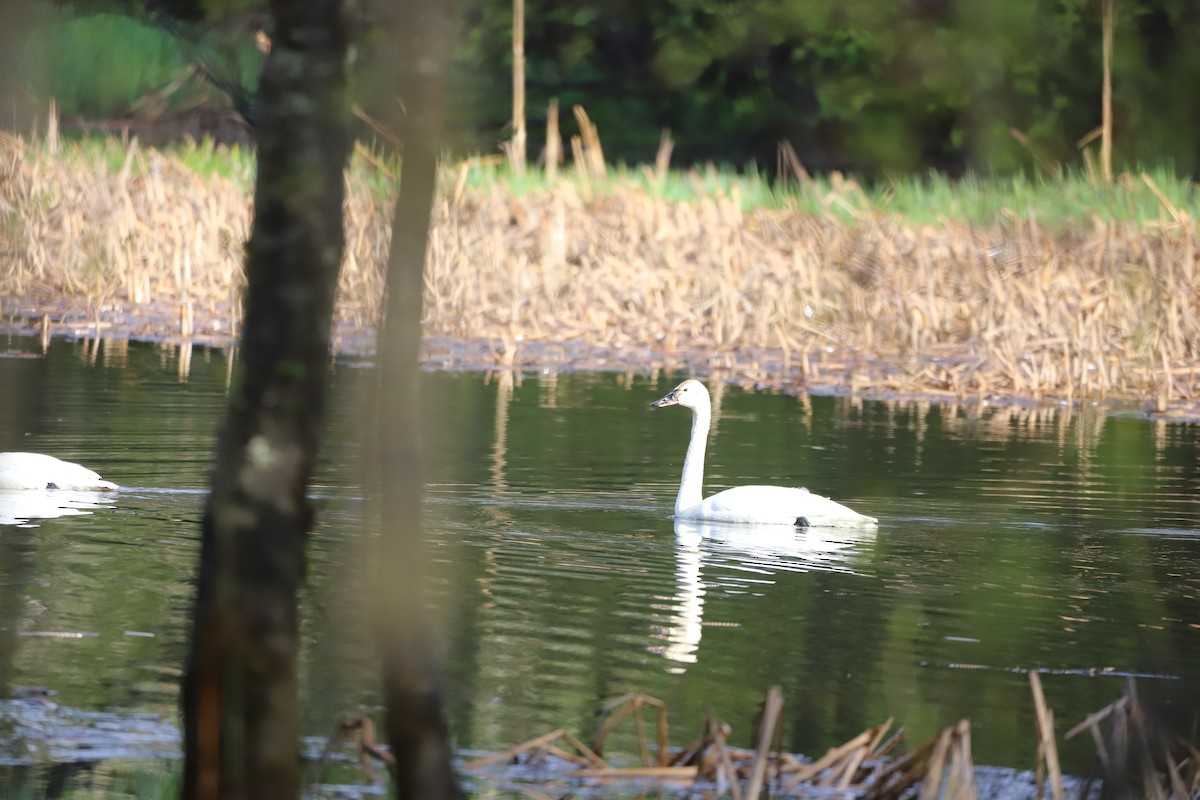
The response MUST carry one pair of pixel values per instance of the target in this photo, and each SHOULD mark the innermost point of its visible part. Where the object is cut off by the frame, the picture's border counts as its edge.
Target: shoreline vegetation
(1061, 289)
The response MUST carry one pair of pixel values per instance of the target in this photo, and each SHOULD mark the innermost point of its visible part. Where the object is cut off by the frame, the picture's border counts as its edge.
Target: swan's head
(689, 394)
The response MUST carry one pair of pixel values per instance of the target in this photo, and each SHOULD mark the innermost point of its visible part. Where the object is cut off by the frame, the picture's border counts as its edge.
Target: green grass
(1052, 202)
(204, 157)
(1069, 199)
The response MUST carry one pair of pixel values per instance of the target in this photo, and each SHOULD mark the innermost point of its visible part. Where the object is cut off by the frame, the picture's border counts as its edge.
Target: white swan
(36, 471)
(774, 505)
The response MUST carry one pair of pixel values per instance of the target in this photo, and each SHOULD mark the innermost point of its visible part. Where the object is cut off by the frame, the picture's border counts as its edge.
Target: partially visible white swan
(771, 505)
(36, 471)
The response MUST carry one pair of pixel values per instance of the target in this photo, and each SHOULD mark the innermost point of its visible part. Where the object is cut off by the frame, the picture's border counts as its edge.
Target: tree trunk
(414, 720)
(241, 730)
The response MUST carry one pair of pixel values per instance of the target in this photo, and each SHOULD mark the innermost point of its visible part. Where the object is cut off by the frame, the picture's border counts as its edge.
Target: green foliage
(74, 61)
(867, 85)
(870, 86)
(108, 65)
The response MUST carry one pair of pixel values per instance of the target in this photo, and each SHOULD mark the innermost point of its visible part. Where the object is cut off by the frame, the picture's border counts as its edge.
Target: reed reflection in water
(1009, 539)
(1001, 528)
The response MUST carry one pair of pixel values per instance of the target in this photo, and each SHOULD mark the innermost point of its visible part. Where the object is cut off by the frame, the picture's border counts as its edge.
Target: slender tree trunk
(517, 147)
(241, 732)
(18, 108)
(414, 721)
(1107, 24)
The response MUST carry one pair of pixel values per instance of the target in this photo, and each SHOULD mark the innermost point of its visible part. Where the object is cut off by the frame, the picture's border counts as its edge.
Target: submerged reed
(851, 297)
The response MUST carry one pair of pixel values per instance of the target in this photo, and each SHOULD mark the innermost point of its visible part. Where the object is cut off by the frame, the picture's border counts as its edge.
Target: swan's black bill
(671, 399)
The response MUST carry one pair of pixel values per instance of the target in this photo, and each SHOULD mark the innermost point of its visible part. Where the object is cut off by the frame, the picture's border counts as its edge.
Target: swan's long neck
(691, 487)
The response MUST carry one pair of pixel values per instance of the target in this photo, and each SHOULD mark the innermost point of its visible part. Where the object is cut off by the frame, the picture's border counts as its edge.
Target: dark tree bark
(241, 724)
(414, 722)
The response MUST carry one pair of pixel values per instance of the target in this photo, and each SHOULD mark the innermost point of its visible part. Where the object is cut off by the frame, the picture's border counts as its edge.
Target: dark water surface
(1008, 540)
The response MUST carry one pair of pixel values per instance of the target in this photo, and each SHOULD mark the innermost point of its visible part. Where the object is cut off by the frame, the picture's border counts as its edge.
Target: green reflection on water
(1009, 539)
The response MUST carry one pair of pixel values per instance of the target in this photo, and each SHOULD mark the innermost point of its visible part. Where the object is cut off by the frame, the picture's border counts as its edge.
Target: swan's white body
(37, 471)
(762, 505)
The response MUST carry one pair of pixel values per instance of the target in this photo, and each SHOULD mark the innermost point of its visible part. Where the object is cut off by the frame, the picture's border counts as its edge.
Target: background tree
(241, 733)
(873, 86)
(415, 724)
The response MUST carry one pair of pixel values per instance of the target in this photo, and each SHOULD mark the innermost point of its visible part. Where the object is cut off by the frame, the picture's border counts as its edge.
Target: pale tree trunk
(241, 729)
(415, 726)
(516, 151)
(1106, 121)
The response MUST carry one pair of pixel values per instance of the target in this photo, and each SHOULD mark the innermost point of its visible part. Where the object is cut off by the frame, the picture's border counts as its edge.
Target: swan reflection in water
(22, 506)
(758, 551)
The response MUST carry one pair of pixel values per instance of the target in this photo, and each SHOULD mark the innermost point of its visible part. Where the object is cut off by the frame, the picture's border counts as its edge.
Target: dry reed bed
(152, 235)
(1100, 310)
(1137, 756)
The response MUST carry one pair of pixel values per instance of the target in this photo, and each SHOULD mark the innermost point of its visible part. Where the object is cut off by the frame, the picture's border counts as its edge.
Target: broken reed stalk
(553, 154)
(772, 707)
(709, 758)
(942, 765)
(617, 709)
(673, 774)
(539, 743)
(961, 780)
(362, 730)
(788, 164)
(1047, 748)
(662, 158)
(726, 772)
(1047, 166)
(1092, 724)
(582, 170)
(938, 756)
(872, 749)
(1138, 757)
(834, 764)
(946, 758)
(951, 770)
(1180, 219)
(592, 152)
